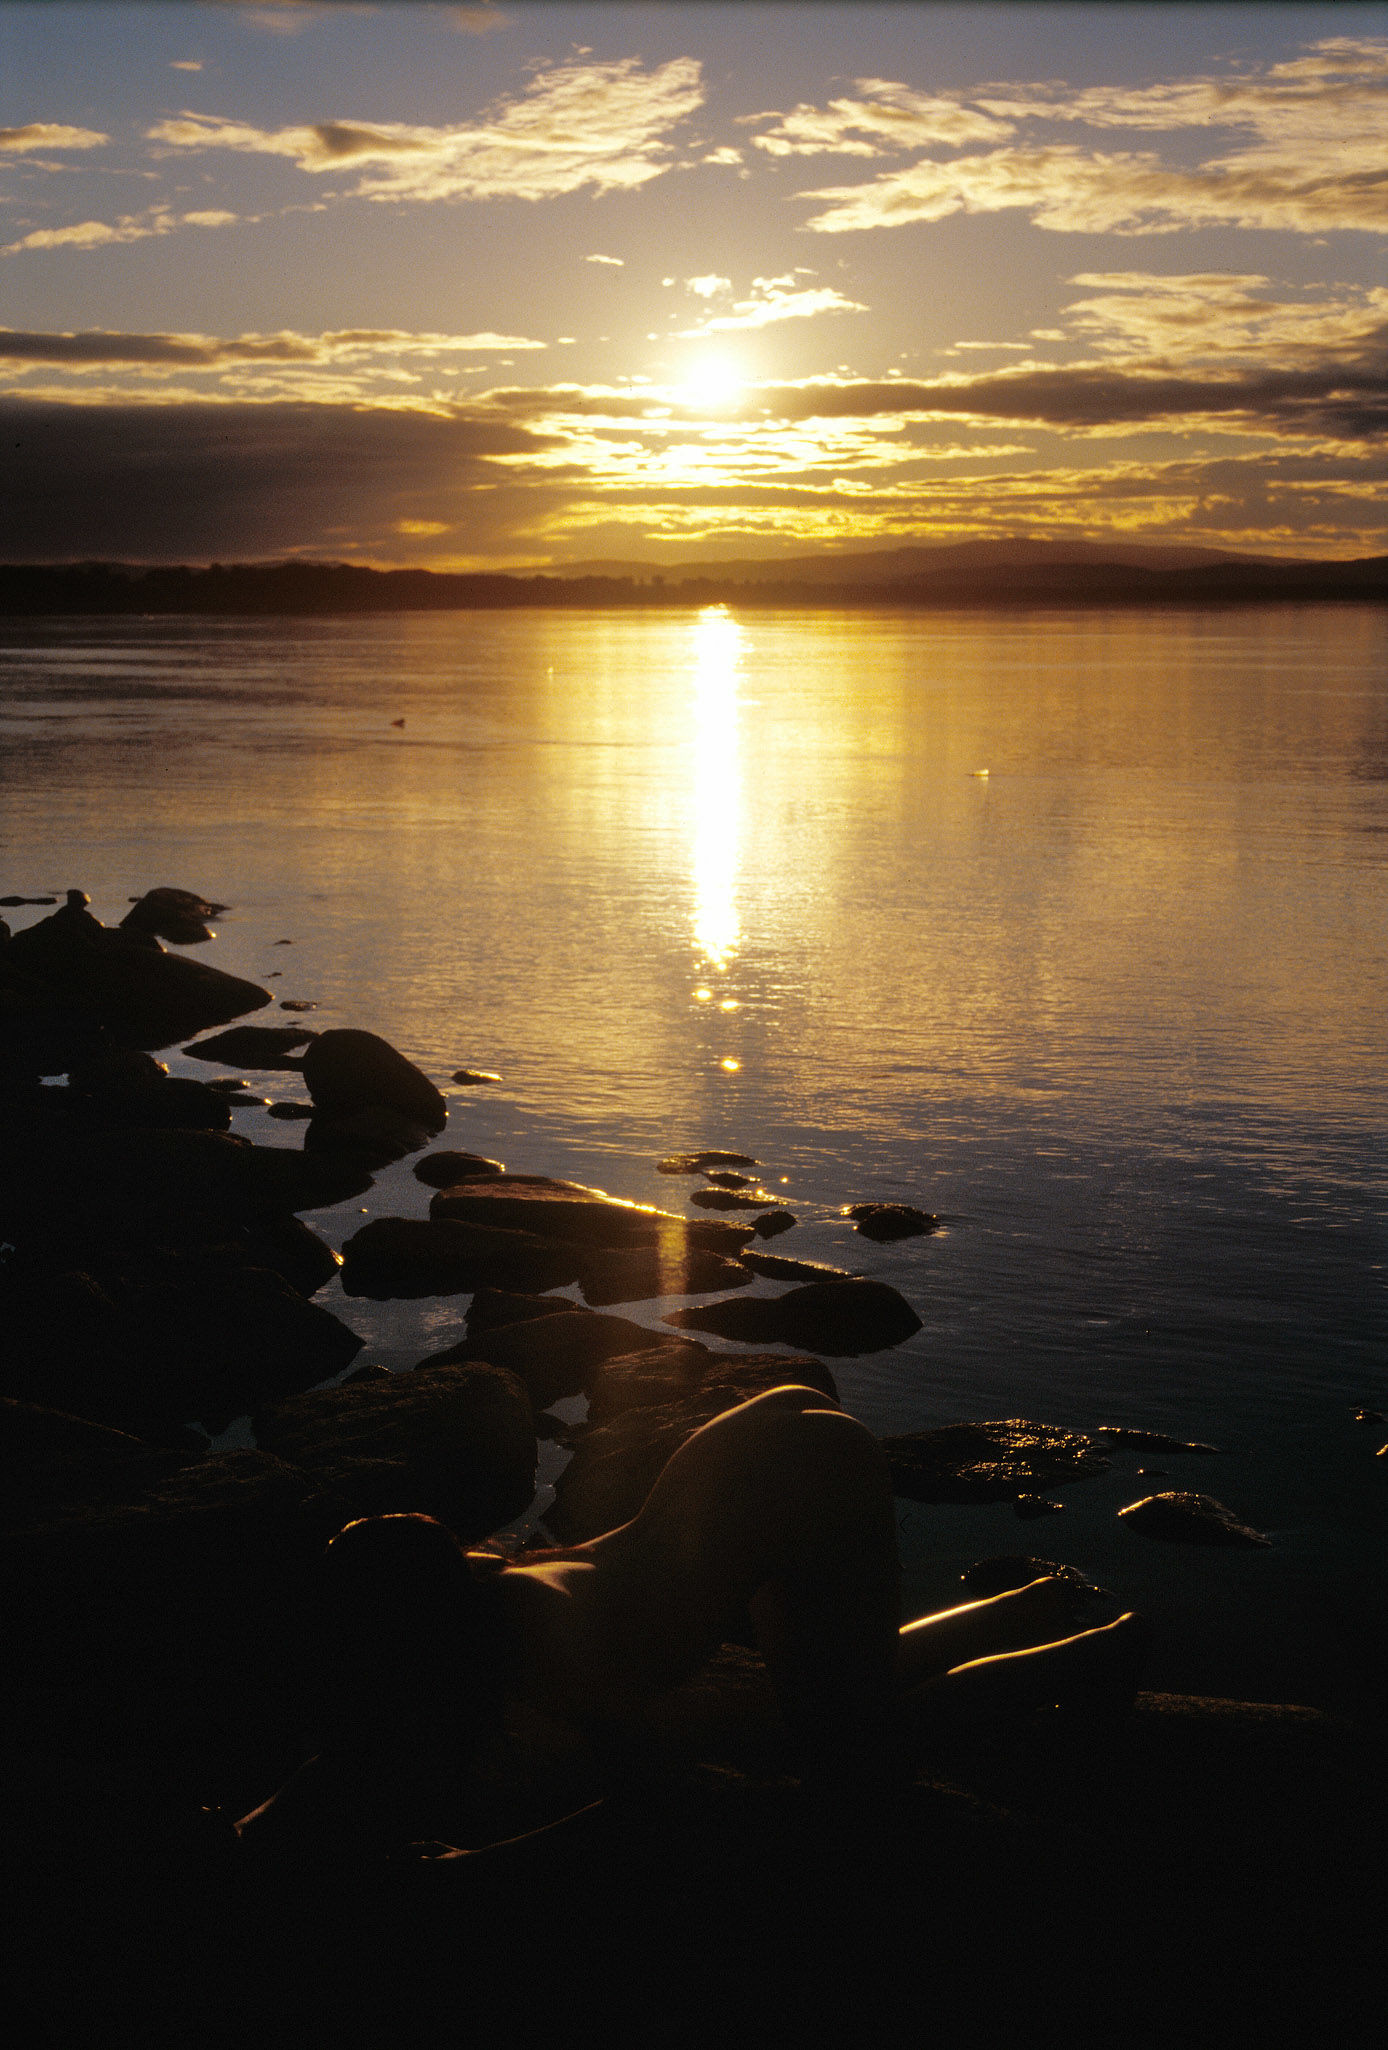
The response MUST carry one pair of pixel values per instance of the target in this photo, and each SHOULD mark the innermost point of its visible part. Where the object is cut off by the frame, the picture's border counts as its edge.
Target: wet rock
(177, 915)
(125, 981)
(885, 1222)
(456, 1442)
(1374, 1417)
(375, 1135)
(1001, 1575)
(348, 1071)
(491, 1309)
(470, 1078)
(989, 1462)
(778, 1268)
(642, 1274)
(404, 1257)
(616, 1463)
(1151, 1441)
(291, 1113)
(297, 1004)
(589, 1217)
(772, 1223)
(1185, 1519)
(841, 1318)
(255, 1046)
(291, 1248)
(126, 1087)
(722, 1178)
(445, 1169)
(729, 1199)
(699, 1163)
(10, 902)
(554, 1356)
(1029, 1507)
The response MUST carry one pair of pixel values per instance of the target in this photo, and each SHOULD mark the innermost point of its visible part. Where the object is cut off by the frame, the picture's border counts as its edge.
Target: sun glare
(711, 385)
(717, 787)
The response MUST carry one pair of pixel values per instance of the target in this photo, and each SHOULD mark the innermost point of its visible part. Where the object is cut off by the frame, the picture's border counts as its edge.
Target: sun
(711, 385)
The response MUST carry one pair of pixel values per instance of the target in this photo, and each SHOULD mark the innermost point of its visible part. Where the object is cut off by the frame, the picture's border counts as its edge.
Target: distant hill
(892, 565)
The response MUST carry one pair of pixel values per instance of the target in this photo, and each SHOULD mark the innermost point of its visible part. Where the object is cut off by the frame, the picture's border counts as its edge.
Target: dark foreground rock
(125, 981)
(642, 1274)
(374, 1135)
(255, 1046)
(405, 1256)
(554, 1356)
(886, 1222)
(989, 1462)
(444, 1169)
(349, 1071)
(1185, 1519)
(841, 1318)
(456, 1442)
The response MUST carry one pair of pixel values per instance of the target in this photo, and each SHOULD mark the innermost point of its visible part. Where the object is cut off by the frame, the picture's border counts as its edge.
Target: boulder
(554, 1357)
(456, 1442)
(590, 1217)
(642, 1274)
(772, 1223)
(125, 981)
(255, 1046)
(374, 1135)
(841, 1318)
(699, 1163)
(989, 1462)
(405, 1256)
(289, 1247)
(672, 1371)
(1184, 1519)
(350, 1071)
(885, 1222)
(126, 1087)
(445, 1169)
(176, 915)
(493, 1308)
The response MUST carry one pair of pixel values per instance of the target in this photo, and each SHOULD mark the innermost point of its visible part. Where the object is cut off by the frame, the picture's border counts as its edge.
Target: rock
(1029, 1507)
(642, 1274)
(445, 1169)
(491, 1309)
(469, 1078)
(1151, 1441)
(350, 1071)
(126, 982)
(125, 1087)
(779, 1268)
(679, 1368)
(1184, 1519)
(841, 1318)
(616, 1463)
(291, 1113)
(885, 1222)
(456, 1442)
(729, 1199)
(66, 1345)
(699, 1163)
(722, 1178)
(254, 1046)
(297, 1004)
(1001, 1575)
(404, 1256)
(772, 1223)
(1374, 1417)
(590, 1217)
(10, 902)
(177, 915)
(289, 1247)
(989, 1462)
(555, 1357)
(375, 1135)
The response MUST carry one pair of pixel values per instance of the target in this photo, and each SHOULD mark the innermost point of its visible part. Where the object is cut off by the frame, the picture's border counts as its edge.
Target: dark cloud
(194, 482)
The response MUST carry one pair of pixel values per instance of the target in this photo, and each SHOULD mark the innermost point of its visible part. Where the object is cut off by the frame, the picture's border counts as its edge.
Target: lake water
(1069, 927)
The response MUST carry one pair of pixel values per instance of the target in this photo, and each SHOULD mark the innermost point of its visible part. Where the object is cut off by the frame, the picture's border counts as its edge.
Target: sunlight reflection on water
(718, 641)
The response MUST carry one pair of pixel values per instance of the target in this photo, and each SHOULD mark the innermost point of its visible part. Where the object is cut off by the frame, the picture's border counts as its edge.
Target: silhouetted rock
(290, 1247)
(472, 1078)
(841, 1318)
(405, 1256)
(772, 1223)
(297, 1004)
(1029, 1507)
(1185, 1519)
(255, 1046)
(177, 915)
(729, 1199)
(125, 981)
(1000, 1575)
(989, 1462)
(555, 1357)
(723, 1178)
(455, 1442)
(491, 1309)
(126, 1087)
(375, 1135)
(779, 1268)
(291, 1113)
(641, 1274)
(885, 1222)
(570, 1210)
(444, 1169)
(349, 1071)
(699, 1163)
(1150, 1441)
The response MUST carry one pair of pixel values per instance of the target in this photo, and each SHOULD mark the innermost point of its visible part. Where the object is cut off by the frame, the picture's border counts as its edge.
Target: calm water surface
(1115, 1008)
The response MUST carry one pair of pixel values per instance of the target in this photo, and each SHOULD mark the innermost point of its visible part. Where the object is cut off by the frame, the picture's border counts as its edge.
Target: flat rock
(699, 1163)
(456, 1442)
(590, 1217)
(730, 1199)
(445, 1168)
(885, 1222)
(841, 1318)
(989, 1462)
(126, 982)
(1185, 1519)
(349, 1071)
(404, 1257)
(1150, 1441)
(777, 1267)
(254, 1046)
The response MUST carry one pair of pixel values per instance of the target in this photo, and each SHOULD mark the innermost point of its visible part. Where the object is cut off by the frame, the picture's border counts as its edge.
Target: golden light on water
(718, 641)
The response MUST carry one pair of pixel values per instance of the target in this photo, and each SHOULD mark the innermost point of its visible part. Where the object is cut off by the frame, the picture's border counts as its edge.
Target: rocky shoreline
(157, 1281)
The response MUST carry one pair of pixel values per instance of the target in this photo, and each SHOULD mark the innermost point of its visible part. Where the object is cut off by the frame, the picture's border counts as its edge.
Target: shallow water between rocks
(1115, 1009)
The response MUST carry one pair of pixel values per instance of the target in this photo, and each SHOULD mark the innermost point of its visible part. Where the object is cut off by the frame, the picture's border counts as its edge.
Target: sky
(505, 286)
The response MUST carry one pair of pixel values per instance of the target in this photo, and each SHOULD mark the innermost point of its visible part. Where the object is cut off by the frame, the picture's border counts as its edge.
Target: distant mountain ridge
(898, 565)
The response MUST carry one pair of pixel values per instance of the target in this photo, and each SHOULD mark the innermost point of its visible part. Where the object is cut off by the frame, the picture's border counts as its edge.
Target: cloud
(129, 228)
(578, 125)
(1222, 316)
(888, 117)
(478, 21)
(101, 346)
(772, 299)
(618, 262)
(49, 135)
(185, 64)
(707, 287)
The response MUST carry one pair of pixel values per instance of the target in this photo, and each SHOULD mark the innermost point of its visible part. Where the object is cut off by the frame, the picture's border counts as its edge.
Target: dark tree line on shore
(344, 588)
